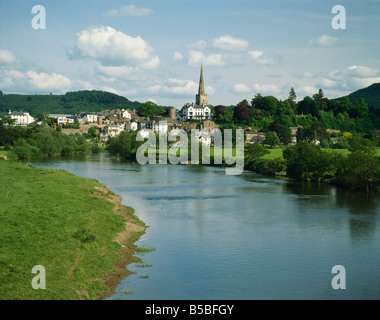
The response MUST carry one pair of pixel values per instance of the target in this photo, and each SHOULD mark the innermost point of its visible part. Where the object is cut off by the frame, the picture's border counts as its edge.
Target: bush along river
(213, 236)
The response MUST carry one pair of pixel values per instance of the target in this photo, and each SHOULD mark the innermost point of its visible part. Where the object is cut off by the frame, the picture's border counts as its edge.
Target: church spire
(201, 97)
(201, 89)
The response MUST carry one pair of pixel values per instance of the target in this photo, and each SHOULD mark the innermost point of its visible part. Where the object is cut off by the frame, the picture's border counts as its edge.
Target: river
(242, 237)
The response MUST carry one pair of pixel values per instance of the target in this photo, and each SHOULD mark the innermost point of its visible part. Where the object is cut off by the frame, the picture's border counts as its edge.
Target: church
(198, 111)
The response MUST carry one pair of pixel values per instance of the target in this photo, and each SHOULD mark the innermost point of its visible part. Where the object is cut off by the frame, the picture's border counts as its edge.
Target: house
(125, 114)
(144, 133)
(131, 126)
(110, 131)
(203, 136)
(90, 117)
(22, 118)
(208, 125)
(62, 119)
(294, 134)
(198, 110)
(160, 127)
(253, 137)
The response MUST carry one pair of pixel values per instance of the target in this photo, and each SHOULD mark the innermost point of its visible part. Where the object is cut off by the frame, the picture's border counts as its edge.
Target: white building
(62, 119)
(111, 131)
(198, 111)
(192, 111)
(160, 127)
(131, 126)
(22, 118)
(90, 117)
(144, 133)
(125, 114)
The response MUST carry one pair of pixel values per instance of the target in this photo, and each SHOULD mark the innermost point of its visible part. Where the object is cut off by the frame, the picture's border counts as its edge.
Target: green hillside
(370, 94)
(69, 103)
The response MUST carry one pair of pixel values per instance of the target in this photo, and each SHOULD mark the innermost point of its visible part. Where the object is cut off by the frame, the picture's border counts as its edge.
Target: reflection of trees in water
(363, 209)
(341, 206)
(307, 188)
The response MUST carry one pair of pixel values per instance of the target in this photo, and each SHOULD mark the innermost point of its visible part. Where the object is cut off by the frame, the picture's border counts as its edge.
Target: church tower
(201, 97)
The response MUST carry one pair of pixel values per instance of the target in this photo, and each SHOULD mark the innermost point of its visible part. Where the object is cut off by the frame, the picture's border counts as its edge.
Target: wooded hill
(69, 103)
(370, 94)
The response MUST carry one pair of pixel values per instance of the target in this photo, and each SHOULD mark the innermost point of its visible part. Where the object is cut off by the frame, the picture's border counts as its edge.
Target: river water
(239, 237)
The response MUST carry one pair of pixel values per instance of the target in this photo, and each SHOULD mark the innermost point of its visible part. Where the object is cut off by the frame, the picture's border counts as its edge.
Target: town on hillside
(196, 115)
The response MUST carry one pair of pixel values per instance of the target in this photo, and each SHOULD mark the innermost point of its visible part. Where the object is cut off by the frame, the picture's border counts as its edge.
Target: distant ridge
(370, 94)
(69, 103)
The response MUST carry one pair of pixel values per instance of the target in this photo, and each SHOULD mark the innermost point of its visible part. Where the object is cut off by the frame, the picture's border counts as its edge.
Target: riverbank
(75, 228)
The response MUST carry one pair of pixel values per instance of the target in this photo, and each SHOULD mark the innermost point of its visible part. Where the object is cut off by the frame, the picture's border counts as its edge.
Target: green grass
(274, 153)
(8, 153)
(50, 218)
(145, 249)
(277, 153)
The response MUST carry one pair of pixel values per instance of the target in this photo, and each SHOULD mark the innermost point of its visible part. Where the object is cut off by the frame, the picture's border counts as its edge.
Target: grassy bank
(74, 227)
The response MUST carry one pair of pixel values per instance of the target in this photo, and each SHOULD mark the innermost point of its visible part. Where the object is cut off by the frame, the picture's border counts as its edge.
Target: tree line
(35, 142)
(343, 115)
(306, 161)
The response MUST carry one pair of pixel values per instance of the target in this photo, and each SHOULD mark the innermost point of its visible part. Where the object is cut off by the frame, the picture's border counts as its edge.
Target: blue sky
(152, 49)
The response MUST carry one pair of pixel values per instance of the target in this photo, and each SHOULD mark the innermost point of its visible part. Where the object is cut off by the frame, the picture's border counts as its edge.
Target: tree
(219, 110)
(359, 171)
(319, 98)
(312, 133)
(271, 139)
(285, 135)
(268, 105)
(307, 161)
(292, 95)
(124, 144)
(274, 126)
(253, 152)
(308, 106)
(242, 113)
(93, 132)
(358, 144)
(149, 109)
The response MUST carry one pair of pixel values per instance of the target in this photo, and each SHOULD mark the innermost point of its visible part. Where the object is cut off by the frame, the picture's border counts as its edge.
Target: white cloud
(268, 59)
(255, 54)
(323, 41)
(181, 87)
(45, 81)
(266, 88)
(306, 91)
(351, 78)
(177, 56)
(327, 83)
(199, 45)
(113, 48)
(229, 43)
(242, 88)
(117, 72)
(130, 10)
(306, 75)
(31, 81)
(361, 72)
(197, 57)
(6, 57)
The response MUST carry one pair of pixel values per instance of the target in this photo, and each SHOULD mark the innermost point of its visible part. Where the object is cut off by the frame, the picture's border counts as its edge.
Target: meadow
(67, 225)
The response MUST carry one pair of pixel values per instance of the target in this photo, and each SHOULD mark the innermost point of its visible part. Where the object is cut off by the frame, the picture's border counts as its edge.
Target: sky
(152, 50)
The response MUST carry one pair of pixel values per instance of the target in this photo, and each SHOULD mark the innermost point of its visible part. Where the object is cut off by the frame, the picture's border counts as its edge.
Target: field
(67, 225)
(277, 153)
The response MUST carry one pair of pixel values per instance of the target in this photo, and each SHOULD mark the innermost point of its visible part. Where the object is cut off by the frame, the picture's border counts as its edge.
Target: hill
(370, 94)
(69, 103)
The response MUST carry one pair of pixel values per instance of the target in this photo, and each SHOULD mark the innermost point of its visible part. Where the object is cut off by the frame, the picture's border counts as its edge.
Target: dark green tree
(271, 139)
